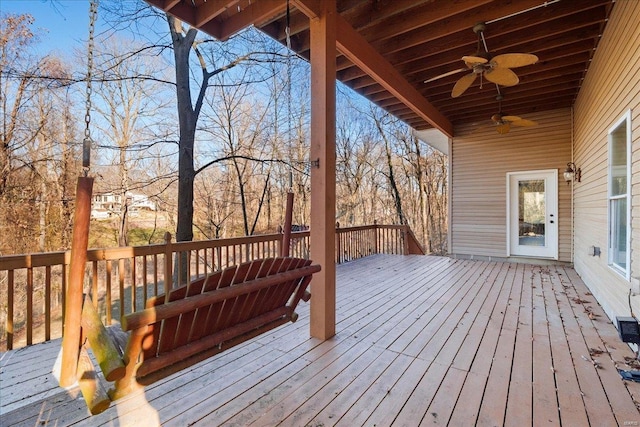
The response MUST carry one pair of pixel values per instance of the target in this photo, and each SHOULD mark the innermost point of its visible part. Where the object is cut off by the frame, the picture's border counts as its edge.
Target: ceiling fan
(503, 123)
(496, 69)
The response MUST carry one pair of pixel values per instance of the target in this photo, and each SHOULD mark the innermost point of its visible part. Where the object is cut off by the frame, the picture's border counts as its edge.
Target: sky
(65, 22)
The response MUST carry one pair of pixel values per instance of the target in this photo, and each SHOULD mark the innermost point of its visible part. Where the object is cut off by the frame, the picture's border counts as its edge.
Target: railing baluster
(145, 284)
(197, 254)
(134, 285)
(189, 258)
(121, 287)
(168, 265)
(47, 303)
(10, 275)
(155, 274)
(108, 298)
(29, 291)
(94, 283)
(63, 291)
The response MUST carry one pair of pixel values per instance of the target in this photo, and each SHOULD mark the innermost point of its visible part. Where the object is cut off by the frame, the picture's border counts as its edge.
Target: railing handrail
(121, 279)
(43, 259)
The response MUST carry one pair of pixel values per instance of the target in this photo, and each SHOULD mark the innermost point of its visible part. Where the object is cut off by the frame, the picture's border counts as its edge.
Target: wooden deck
(421, 341)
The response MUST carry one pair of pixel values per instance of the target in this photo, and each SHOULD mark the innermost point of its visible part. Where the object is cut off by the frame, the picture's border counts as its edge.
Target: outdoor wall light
(572, 172)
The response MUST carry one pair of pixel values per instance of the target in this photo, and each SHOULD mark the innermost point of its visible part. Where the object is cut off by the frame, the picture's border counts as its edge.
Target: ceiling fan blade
(503, 128)
(463, 84)
(472, 59)
(511, 118)
(524, 122)
(514, 60)
(447, 74)
(502, 76)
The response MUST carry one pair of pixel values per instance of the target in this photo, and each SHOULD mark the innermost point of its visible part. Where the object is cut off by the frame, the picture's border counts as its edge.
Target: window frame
(613, 199)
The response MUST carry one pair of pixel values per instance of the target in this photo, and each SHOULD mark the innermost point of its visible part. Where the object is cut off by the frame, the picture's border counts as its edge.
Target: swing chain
(287, 32)
(287, 29)
(86, 143)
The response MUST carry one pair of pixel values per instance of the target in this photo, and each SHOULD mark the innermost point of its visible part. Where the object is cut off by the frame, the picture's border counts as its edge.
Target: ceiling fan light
(503, 128)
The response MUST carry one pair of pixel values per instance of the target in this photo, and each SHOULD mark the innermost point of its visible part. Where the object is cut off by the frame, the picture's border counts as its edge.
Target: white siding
(611, 87)
(480, 160)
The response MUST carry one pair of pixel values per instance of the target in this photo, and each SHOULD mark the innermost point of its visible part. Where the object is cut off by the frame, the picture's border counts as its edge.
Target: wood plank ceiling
(422, 39)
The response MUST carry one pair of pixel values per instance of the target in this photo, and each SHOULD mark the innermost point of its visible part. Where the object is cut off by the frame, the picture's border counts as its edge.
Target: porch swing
(182, 327)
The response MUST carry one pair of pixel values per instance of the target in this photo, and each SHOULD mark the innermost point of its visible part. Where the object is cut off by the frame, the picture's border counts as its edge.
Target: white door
(533, 213)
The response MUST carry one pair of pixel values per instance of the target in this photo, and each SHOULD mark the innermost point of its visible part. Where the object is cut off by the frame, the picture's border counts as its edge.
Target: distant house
(107, 205)
(140, 202)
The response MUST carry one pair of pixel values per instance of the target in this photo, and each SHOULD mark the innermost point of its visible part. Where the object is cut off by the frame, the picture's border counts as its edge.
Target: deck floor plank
(301, 391)
(545, 401)
(441, 407)
(471, 395)
(428, 340)
(330, 414)
(315, 399)
(519, 409)
(452, 318)
(429, 318)
(449, 344)
(381, 389)
(595, 399)
(570, 402)
(381, 323)
(470, 343)
(614, 389)
(492, 409)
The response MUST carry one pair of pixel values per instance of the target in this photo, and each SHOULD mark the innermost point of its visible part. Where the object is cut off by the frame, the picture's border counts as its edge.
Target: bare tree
(128, 103)
(380, 119)
(33, 105)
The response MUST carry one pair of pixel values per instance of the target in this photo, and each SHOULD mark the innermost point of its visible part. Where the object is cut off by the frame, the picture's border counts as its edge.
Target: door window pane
(531, 212)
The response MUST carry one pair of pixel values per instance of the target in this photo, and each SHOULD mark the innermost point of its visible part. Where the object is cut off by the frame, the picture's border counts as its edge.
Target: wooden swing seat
(210, 315)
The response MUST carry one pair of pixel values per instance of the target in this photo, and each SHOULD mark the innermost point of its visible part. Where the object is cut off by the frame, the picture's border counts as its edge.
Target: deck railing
(120, 280)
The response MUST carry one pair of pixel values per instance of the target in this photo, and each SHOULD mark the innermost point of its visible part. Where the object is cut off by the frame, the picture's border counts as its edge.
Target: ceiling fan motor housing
(479, 27)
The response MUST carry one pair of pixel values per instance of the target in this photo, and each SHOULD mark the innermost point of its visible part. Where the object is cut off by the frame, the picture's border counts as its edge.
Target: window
(619, 195)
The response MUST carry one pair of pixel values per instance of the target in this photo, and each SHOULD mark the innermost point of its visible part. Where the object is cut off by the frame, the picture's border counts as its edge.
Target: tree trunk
(123, 216)
(42, 209)
(243, 198)
(187, 119)
(394, 187)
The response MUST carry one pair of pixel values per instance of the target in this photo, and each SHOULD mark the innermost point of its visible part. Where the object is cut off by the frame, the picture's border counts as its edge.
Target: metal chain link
(86, 143)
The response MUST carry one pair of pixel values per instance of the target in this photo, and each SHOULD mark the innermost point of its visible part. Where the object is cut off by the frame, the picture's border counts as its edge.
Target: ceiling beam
(311, 8)
(183, 11)
(363, 55)
(352, 45)
(256, 13)
(210, 10)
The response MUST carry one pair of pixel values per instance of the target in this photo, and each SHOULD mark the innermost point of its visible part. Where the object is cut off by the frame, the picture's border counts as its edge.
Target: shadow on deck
(420, 340)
